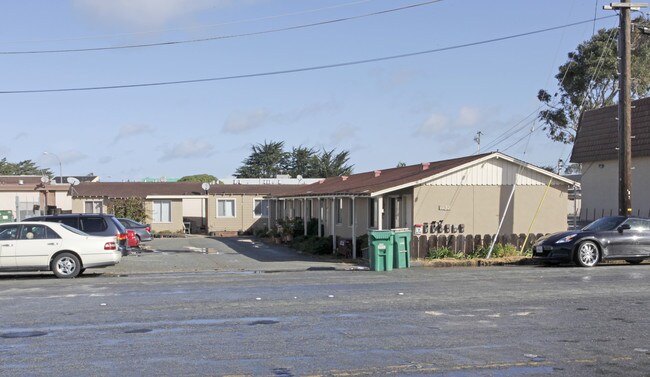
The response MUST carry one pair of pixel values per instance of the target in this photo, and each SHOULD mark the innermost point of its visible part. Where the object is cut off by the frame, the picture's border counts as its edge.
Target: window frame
(263, 209)
(234, 208)
(157, 213)
(94, 204)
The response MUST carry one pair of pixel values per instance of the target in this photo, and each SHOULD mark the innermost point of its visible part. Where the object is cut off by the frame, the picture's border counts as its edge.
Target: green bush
(444, 252)
(499, 251)
(312, 245)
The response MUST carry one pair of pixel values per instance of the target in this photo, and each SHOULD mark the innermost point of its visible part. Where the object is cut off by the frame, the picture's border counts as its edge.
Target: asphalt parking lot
(209, 254)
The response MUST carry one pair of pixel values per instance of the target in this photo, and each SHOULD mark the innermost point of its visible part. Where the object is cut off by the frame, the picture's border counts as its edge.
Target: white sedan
(56, 247)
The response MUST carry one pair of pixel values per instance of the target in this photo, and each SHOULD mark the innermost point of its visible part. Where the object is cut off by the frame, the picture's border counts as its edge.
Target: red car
(132, 238)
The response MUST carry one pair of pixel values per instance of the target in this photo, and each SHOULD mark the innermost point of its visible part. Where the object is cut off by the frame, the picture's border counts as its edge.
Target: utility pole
(477, 139)
(624, 104)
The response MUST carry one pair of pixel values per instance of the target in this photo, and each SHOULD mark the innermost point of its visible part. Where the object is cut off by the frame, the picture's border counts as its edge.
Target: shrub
(444, 252)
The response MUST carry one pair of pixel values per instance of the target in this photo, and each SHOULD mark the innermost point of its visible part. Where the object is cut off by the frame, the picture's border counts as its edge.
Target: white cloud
(342, 134)
(442, 123)
(436, 122)
(243, 122)
(145, 12)
(469, 117)
(187, 149)
(133, 130)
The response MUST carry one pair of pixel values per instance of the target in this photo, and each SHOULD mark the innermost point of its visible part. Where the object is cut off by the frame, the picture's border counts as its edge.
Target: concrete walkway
(209, 254)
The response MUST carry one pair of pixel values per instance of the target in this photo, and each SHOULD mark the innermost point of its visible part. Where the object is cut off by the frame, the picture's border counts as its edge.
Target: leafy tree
(301, 162)
(265, 161)
(26, 167)
(331, 164)
(132, 208)
(589, 80)
(269, 159)
(199, 178)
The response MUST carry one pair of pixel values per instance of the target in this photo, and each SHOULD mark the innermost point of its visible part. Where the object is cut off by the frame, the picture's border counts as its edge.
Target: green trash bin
(401, 248)
(381, 250)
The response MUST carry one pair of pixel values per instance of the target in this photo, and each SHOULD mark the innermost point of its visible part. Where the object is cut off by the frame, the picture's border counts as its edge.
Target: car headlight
(566, 239)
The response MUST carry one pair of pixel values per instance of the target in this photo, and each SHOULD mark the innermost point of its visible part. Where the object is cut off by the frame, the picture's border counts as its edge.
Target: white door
(35, 245)
(8, 236)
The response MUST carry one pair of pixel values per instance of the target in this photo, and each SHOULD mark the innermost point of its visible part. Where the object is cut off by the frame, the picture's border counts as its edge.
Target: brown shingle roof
(597, 137)
(144, 189)
(363, 184)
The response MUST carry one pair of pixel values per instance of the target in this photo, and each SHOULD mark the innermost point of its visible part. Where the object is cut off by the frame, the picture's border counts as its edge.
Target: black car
(96, 224)
(608, 238)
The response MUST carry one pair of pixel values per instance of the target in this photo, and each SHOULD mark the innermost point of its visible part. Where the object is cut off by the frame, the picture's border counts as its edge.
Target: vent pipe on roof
(377, 173)
(20, 182)
(425, 165)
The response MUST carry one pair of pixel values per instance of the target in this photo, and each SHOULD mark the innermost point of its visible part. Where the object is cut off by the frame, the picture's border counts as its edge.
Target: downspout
(333, 222)
(354, 230)
(380, 213)
(304, 215)
(320, 217)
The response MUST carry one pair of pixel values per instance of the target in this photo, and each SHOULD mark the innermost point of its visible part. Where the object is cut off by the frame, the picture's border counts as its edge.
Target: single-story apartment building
(31, 195)
(481, 194)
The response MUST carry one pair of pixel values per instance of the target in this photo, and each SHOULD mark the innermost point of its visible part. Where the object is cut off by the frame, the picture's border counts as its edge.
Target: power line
(297, 70)
(193, 28)
(198, 40)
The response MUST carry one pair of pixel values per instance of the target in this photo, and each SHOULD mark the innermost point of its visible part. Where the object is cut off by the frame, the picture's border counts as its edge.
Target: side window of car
(51, 234)
(70, 221)
(637, 224)
(8, 232)
(93, 224)
(36, 232)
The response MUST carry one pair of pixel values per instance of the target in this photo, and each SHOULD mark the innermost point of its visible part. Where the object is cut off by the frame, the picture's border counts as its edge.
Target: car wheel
(66, 265)
(634, 261)
(587, 254)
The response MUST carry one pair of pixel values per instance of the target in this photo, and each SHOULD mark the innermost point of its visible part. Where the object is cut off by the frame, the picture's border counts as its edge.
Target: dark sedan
(608, 238)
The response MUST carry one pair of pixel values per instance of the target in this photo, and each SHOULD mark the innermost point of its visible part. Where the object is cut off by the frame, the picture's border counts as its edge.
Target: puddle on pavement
(138, 331)
(22, 334)
(263, 322)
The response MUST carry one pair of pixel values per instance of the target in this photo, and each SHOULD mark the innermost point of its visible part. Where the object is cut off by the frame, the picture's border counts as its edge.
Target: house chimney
(20, 182)
(425, 166)
(321, 181)
(344, 177)
(377, 173)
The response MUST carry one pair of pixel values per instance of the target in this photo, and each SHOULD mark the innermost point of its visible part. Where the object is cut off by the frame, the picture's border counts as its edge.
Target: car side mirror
(624, 227)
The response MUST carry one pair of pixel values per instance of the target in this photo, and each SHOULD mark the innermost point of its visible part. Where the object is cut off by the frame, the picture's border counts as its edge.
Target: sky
(189, 86)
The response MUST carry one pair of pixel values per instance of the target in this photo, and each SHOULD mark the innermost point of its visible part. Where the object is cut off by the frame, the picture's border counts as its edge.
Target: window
(93, 206)
(261, 208)
(37, 232)
(9, 232)
(162, 211)
(372, 203)
(225, 207)
(93, 224)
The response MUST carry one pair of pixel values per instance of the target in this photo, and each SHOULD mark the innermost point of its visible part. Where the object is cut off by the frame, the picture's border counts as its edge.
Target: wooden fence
(420, 245)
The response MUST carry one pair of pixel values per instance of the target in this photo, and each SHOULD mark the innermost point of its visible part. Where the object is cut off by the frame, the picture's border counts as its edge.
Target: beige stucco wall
(600, 188)
(79, 204)
(176, 224)
(480, 208)
(244, 218)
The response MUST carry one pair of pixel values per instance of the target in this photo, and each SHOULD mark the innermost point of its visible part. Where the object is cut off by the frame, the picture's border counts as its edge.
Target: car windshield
(604, 223)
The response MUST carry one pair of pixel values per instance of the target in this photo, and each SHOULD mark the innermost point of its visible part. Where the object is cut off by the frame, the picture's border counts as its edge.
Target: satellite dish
(299, 177)
(205, 186)
(72, 181)
(45, 179)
